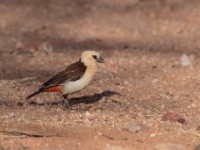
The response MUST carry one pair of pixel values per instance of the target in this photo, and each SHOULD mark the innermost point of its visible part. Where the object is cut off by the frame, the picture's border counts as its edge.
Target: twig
(27, 79)
(108, 137)
(27, 133)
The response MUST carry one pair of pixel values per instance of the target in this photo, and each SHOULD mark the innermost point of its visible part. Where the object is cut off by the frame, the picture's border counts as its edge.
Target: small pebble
(20, 103)
(162, 106)
(134, 126)
(87, 113)
(185, 61)
(152, 135)
(173, 117)
(197, 147)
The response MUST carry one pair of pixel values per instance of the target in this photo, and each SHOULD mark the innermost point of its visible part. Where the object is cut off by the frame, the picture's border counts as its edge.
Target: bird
(74, 78)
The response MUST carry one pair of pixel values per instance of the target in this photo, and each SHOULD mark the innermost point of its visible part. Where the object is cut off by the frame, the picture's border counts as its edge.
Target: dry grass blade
(27, 79)
(27, 133)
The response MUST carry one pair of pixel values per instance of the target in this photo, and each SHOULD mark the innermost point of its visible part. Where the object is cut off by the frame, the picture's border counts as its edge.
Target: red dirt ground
(143, 78)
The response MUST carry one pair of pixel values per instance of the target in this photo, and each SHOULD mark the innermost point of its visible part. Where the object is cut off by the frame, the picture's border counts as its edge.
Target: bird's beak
(100, 60)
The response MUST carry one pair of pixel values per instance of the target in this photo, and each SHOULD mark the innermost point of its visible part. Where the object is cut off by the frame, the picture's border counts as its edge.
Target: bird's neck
(91, 70)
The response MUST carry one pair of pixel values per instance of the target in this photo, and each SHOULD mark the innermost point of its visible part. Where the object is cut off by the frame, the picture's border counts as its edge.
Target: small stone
(87, 113)
(20, 103)
(162, 106)
(19, 45)
(168, 146)
(33, 48)
(185, 61)
(78, 144)
(134, 126)
(198, 128)
(152, 135)
(197, 147)
(173, 117)
(125, 46)
(154, 67)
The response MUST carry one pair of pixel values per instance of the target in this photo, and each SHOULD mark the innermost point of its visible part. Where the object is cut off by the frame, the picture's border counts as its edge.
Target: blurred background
(151, 49)
(150, 25)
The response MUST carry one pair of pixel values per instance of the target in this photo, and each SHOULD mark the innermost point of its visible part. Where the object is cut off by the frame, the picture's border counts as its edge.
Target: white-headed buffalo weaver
(74, 78)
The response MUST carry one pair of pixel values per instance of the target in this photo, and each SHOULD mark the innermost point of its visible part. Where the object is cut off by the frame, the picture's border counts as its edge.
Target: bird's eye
(94, 56)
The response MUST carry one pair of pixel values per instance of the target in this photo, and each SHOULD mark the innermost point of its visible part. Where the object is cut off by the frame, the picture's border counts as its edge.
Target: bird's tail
(35, 93)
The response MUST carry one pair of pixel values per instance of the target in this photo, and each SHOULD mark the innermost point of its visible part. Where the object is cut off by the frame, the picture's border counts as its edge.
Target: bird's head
(91, 57)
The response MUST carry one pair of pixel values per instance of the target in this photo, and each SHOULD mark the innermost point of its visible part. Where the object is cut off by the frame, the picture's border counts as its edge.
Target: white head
(91, 58)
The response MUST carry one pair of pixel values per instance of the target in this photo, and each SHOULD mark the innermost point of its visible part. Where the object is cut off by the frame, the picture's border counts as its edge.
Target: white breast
(75, 86)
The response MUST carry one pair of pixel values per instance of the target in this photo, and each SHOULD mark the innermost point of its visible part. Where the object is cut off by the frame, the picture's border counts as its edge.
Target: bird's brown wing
(72, 73)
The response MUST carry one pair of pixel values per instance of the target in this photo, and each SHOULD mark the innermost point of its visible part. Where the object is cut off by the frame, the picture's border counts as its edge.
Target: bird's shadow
(84, 99)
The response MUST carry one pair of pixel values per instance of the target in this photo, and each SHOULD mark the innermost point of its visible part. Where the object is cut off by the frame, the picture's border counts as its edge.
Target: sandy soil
(143, 78)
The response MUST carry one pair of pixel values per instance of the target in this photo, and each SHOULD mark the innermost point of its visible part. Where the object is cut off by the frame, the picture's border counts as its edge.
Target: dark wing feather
(73, 72)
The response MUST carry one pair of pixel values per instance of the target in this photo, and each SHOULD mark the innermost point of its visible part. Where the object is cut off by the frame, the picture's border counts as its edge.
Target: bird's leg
(66, 102)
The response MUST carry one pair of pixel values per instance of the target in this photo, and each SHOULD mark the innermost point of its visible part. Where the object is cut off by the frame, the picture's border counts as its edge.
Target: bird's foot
(67, 105)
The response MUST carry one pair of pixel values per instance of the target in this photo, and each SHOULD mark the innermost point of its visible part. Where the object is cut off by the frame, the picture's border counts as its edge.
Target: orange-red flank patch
(54, 89)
